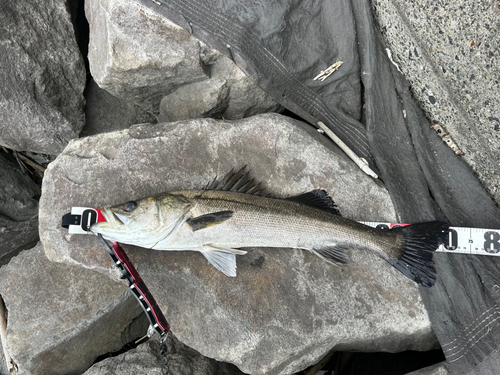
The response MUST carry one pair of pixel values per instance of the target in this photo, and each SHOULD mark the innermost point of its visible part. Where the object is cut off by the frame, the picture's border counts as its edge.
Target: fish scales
(219, 223)
(267, 222)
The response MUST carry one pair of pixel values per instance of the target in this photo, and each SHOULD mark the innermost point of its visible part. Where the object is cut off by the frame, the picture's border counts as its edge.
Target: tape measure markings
(461, 240)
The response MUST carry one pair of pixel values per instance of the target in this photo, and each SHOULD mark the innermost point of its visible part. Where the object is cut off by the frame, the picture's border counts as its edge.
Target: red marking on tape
(397, 225)
(100, 216)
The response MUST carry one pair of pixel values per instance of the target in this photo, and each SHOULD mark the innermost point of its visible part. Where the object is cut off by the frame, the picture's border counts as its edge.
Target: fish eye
(130, 206)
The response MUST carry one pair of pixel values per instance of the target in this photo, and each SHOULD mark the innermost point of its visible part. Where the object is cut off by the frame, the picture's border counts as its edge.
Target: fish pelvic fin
(418, 243)
(221, 258)
(332, 254)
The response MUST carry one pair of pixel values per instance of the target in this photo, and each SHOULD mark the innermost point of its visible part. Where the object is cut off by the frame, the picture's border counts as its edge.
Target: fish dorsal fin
(208, 220)
(238, 181)
(318, 199)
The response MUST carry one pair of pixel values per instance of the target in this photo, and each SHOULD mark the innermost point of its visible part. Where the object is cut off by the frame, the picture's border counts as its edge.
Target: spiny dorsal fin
(208, 220)
(318, 199)
(239, 182)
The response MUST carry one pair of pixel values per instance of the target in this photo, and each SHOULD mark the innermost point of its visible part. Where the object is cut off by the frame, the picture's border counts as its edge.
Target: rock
(18, 193)
(42, 75)
(16, 236)
(437, 369)
(146, 360)
(18, 210)
(61, 317)
(449, 53)
(285, 309)
(105, 112)
(209, 98)
(245, 98)
(3, 365)
(138, 55)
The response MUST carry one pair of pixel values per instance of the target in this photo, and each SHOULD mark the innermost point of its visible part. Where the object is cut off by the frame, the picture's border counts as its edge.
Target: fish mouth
(114, 218)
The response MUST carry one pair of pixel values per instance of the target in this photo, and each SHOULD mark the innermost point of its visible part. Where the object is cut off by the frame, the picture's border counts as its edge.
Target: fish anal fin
(332, 254)
(317, 198)
(222, 259)
(208, 220)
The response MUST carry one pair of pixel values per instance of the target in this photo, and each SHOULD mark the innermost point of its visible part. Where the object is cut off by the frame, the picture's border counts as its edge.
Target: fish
(226, 216)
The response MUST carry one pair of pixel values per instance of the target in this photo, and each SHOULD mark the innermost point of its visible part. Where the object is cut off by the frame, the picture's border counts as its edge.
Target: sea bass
(232, 214)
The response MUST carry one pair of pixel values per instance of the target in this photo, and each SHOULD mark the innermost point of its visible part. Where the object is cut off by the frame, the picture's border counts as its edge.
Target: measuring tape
(474, 241)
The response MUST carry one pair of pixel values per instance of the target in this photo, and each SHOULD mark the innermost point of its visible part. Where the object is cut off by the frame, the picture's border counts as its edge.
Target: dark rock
(42, 77)
(18, 193)
(61, 317)
(146, 360)
(16, 236)
(105, 112)
(18, 210)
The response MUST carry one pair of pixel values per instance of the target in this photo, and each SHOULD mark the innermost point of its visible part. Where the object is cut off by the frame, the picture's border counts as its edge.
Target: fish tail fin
(418, 243)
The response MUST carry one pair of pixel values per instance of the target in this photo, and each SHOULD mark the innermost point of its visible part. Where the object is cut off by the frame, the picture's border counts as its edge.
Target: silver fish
(232, 214)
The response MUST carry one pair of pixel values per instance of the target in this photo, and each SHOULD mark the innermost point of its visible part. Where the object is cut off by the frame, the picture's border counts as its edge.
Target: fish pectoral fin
(332, 254)
(223, 260)
(208, 220)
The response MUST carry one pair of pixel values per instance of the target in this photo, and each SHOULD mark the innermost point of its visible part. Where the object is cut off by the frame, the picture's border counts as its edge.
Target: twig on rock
(11, 366)
(32, 163)
(23, 167)
(360, 162)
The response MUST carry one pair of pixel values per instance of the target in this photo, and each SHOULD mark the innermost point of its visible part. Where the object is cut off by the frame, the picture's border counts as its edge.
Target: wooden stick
(361, 163)
(31, 163)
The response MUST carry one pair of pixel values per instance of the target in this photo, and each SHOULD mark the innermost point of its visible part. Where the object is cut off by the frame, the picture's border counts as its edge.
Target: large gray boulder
(146, 360)
(62, 317)
(138, 55)
(42, 77)
(449, 53)
(285, 309)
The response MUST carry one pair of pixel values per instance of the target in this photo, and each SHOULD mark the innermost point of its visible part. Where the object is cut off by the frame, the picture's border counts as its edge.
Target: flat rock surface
(61, 317)
(450, 53)
(42, 77)
(285, 309)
